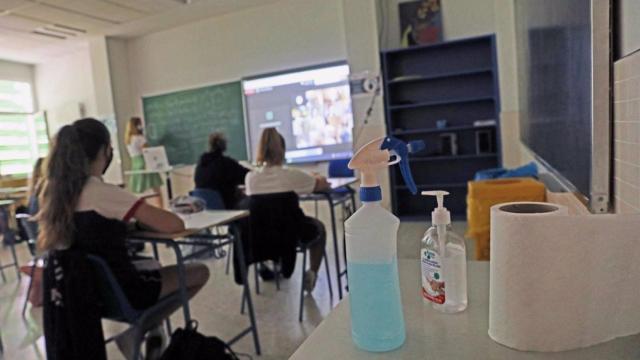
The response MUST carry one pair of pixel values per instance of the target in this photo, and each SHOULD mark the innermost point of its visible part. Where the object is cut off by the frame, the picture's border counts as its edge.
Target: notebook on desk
(340, 182)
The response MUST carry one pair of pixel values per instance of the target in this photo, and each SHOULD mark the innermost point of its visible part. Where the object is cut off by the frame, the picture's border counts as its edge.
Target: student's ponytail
(66, 172)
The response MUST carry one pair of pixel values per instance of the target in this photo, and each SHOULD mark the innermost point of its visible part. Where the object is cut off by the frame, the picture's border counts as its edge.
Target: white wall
(290, 33)
(460, 19)
(61, 84)
(627, 31)
(361, 31)
(284, 35)
(120, 85)
(14, 71)
(78, 85)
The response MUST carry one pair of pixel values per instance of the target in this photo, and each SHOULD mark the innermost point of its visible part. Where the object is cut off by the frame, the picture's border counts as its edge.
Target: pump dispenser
(377, 323)
(443, 261)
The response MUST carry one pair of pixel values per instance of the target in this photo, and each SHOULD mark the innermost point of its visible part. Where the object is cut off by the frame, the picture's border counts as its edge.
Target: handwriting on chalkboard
(181, 121)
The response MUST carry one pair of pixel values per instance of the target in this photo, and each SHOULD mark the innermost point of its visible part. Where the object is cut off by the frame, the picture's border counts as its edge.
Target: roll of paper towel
(560, 282)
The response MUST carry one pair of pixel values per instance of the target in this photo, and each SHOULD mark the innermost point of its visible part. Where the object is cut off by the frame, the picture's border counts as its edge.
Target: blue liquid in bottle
(377, 323)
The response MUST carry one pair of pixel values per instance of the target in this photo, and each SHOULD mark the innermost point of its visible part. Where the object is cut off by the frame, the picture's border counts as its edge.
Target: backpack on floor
(189, 344)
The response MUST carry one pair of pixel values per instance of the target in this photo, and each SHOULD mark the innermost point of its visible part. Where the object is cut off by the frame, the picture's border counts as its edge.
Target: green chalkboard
(182, 121)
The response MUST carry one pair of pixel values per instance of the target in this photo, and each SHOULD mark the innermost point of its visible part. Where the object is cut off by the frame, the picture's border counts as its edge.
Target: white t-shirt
(136, 145)
(108, 200)
(275, 179)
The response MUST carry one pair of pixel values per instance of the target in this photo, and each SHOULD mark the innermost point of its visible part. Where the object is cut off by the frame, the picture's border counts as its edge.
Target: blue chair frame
(31, 227)
(213, 201)
(116, 306)
(212, 198)
(5, 213)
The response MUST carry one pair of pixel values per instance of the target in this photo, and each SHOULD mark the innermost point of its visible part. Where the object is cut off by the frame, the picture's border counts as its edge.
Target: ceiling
(33, 30)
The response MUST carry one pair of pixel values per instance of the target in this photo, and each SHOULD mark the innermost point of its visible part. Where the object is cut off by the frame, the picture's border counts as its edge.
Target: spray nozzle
(401, 150)
(376, 155)
(440, 215)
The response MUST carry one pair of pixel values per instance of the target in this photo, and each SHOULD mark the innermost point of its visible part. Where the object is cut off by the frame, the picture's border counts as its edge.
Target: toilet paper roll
(560, 282)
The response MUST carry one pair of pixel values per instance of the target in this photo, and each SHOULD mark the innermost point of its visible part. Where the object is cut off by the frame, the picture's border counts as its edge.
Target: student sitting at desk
(218, 172)
(35, 185)
(79, 211)
(272, 177)
(135, 140)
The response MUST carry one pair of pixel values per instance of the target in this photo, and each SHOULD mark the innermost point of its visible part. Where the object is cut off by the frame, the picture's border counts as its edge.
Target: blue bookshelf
(456, 81)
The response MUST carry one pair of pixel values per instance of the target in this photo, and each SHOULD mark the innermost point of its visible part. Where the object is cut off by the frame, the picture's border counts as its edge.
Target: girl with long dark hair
(79, 211)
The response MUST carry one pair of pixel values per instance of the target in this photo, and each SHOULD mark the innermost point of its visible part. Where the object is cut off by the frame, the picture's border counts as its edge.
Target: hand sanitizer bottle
(377, 322)
(443, 261)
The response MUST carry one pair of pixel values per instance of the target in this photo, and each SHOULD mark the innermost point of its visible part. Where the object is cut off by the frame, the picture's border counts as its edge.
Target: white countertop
(432, 335)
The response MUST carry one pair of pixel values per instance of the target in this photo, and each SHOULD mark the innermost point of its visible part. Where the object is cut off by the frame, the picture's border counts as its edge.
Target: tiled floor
(216, 307)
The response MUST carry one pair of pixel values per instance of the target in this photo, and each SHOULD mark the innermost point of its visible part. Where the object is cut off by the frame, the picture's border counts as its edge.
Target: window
(23, 133)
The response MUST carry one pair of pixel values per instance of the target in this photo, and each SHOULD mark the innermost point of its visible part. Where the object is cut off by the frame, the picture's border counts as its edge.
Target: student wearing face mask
(135, 141)
(80, 212)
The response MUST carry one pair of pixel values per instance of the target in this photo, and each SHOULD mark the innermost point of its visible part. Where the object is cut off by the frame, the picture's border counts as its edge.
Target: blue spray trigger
(402, 150)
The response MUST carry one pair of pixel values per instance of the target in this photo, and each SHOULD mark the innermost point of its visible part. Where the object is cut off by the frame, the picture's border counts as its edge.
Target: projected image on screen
(310, 108)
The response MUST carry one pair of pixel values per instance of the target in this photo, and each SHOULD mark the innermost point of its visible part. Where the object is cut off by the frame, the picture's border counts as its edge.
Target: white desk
(432, 335)
(335, 183)
(194, 225)
(340, 182)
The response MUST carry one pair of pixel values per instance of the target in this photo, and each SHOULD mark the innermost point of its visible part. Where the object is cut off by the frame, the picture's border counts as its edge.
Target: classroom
(306, 179)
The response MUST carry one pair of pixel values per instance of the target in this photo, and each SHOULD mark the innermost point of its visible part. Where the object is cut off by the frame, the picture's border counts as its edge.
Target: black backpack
(189, 344)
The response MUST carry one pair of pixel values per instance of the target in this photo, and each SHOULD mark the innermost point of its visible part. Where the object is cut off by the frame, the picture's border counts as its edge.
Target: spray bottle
(443, 262)
(377, 323)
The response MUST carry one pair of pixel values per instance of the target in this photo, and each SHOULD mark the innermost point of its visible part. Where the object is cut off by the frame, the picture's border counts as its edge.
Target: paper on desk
(560, 282)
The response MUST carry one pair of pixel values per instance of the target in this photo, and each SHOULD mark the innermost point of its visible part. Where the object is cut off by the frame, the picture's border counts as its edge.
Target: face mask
(109, 159)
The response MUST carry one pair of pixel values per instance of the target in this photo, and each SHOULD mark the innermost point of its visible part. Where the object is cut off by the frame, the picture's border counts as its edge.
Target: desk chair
(339, 169)
(213, 201)
(115, 305)
(31, 227)
(211, 198)
(9, 239)
(274, 224)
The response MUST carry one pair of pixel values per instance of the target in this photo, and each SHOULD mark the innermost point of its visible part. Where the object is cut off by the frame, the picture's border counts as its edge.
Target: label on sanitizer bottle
(432, 281)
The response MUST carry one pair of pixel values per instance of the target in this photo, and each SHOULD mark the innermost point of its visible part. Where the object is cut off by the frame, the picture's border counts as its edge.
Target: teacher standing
(135, 141)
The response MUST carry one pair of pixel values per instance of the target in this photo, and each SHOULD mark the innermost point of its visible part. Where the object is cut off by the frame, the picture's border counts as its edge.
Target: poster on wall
(420, 22)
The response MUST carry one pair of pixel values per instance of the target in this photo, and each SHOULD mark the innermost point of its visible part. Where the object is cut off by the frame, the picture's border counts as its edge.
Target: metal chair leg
(256, 276)
(167, 322)
(4, 278)
(15, 261)
(138, 343)
(304, 266)
(244, 300)
(230, 248)
(26, 300)
(276, 270)
(326, 268)
(247, 291)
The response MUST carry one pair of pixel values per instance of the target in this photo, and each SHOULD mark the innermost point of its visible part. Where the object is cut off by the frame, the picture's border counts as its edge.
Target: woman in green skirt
(135, 140)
